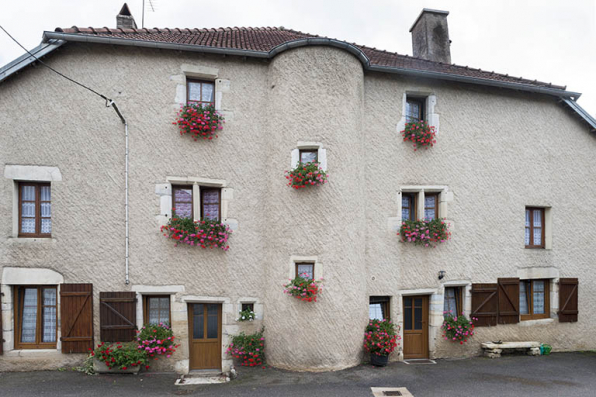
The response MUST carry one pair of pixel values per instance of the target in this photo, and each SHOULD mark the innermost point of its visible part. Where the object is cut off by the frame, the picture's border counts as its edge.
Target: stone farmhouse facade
(512, 172)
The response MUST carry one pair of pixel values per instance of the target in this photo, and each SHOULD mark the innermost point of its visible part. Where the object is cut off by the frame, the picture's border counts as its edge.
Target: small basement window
(378, 308)
(248, 306)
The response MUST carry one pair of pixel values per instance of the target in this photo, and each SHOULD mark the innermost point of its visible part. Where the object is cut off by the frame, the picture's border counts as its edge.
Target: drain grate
(392, 393)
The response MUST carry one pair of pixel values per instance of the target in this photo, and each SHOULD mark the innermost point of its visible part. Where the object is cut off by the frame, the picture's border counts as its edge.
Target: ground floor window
(534, 299)
(35, 317)
(156, 309)
(453, 303)
(378, 308)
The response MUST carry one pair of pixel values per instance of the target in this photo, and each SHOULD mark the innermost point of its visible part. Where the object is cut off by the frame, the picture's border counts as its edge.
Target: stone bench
(494, 350)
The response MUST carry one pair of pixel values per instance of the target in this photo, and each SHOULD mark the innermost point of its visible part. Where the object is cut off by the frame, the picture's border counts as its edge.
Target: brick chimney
(124, 19)
(430, 36)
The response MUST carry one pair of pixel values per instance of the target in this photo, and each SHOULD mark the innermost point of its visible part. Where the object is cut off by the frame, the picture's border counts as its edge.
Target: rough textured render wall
(315, 95)
(497, 151)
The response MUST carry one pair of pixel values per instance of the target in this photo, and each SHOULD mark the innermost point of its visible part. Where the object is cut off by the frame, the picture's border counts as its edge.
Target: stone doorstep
(202, 377)
(510, 345)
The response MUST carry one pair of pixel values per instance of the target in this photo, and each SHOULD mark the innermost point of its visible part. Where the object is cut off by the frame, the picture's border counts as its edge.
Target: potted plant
(200, 121)
(205, 233)
(427, 233)
(118, 358)
(457, 328)
(246, 315)
(249, 349)
(380, 339)
(156, 340)
(303, 288)
(420, 134)
(306, 175)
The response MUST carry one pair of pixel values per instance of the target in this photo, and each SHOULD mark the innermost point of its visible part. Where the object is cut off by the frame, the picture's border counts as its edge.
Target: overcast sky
(548, 40)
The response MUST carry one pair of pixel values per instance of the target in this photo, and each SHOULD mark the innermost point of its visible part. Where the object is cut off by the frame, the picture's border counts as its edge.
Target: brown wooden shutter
(117, 316)
(568, 300)
(1, 339)
(485, 304)
(508, 300)
(76, 316)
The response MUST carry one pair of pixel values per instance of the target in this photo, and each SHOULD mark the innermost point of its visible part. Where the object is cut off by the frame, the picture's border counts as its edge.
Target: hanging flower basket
(200, 121)
(306, 175)
(205, 233)
(458, 328)
(303, 288)
(425, 233)
(420, 134)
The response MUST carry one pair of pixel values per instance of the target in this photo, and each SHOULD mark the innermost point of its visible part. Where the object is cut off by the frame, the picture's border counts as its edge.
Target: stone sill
(32, 352)
(31, 240)
(542, 321)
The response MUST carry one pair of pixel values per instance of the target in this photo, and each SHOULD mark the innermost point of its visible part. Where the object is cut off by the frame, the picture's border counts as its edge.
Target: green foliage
(156, 339)
(306, 174)
(246, 315)
(87, 367)
(303, 288)
(457, 328)
(426, 233)
(380, 337)
(120, 355)
(205, 233)
(249, 348)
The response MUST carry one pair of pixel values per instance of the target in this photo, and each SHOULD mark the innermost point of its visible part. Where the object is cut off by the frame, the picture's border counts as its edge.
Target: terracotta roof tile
(266, 38)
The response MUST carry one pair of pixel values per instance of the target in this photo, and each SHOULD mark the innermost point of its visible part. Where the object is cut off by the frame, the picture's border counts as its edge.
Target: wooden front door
(204, 323)
(415, 326)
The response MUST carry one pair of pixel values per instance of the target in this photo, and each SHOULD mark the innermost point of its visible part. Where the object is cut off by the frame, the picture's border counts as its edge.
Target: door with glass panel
(204, 321)
(415, 326)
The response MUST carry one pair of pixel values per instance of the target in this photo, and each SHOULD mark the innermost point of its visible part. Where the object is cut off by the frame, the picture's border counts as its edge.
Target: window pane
(537, 236)
(537, 218)
(194, 91)
(523, 298)
(408, 318)
(207, 92)
(418, 317)
(28, 209)
(527, 236)
(49, 320)
(375, 311)
(46, 209)
(212, 322)
(449, 305)
(211, 211)
(198, 321)
(211, 196)
(29, 316)
(306, 268)
(153, 309)
(28, 193)
(45, 193)
(28, 225)
(46, 225)
(412, 111)
(538, 296)
(183, 202)
(527, 218)
(308, 157)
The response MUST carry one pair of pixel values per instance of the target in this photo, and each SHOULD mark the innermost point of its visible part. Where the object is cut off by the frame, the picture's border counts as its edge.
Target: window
(378, 308)
(156, 309)
(36, 319)
(408, 206)
(534, 299)
(210, 204)
(309, 155)
(453, 303)
(200, 92)
(431, 206)
(306, 270)
(35, 210)
(534, 227)
(182, 201)
(414, 109)
(248, 306)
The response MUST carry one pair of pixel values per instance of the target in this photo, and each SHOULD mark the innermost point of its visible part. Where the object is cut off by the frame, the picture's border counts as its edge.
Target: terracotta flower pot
(378, 361)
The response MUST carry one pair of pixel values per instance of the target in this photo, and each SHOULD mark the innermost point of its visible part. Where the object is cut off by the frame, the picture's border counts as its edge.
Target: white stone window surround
(164, 191)
(430, 115)
(28, 173)
(543, 273)
(15, 276)
(321, 153)
(258, 306)
(466, 287)
(445, 196)
(548, 226)
(200, 72)
(164, 290)
(301, 259)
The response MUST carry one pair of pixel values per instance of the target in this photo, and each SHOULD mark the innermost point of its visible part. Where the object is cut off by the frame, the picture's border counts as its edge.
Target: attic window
(414, 109)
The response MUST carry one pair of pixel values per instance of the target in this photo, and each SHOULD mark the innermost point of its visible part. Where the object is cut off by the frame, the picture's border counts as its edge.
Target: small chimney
(430, 36)
(124, 19)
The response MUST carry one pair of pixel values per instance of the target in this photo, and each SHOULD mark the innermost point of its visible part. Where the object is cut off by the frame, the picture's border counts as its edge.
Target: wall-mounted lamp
(441, 274)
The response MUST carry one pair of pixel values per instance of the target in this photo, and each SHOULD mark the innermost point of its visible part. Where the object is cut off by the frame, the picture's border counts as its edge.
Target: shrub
(380, 337)
(249, 348)
(156, 340)
(246, 315)
(200, 121)
(120, 355)
(457, 328)
(420, 134)
(303, 288)
(305, 175)
(205, 233)
(426, 233)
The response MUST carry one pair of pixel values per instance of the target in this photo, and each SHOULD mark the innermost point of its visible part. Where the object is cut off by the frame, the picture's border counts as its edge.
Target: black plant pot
(378, 361)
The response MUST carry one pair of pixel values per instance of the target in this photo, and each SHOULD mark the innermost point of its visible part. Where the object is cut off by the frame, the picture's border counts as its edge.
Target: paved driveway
(560, 374)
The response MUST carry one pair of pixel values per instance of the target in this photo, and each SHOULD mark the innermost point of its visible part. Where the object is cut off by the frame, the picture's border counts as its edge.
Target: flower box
(101, 368)
(420, 134)
(306, 175)
(303, 288)
(200, 121)
(425, 233)
(205, 233)
(457, 328)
